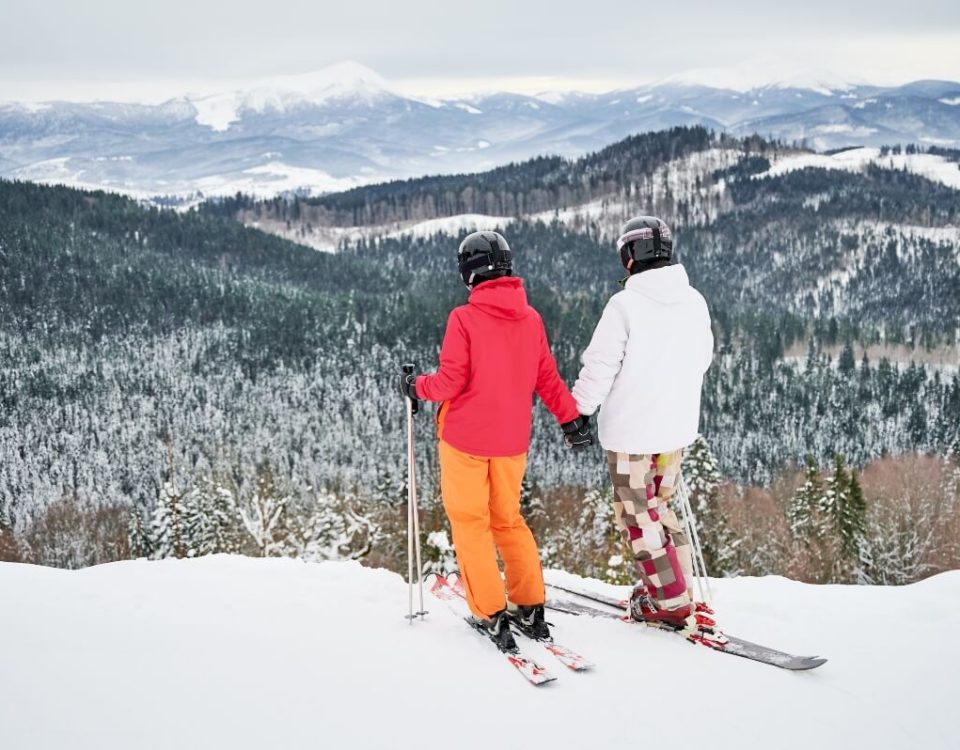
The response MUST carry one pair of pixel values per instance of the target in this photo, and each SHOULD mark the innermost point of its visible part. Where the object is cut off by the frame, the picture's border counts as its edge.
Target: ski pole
(688, 531)
(413, 516)
(703, 582)
(688, 525)
(695, 538)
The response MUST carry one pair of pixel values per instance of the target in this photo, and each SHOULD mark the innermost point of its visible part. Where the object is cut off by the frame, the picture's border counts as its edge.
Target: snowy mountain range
(346, 125)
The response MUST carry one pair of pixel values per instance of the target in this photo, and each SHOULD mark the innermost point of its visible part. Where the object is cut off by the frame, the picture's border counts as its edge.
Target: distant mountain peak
(816, 79)
(764, 73)
(347, 77)
(343, 79)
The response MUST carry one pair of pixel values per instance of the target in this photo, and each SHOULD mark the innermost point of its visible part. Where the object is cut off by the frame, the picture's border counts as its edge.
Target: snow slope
(931, 166)
(228, 652)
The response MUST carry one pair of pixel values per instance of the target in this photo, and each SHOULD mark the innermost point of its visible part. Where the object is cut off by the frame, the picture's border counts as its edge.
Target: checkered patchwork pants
(643, 486)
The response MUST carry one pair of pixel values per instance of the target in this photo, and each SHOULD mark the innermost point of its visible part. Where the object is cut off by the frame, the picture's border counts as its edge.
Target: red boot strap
(705, 622)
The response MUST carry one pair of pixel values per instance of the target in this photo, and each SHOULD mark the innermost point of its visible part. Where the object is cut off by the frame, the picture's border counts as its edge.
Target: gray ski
(734, 645)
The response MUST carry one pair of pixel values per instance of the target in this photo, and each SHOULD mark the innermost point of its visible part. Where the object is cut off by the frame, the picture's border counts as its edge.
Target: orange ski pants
(482, 499)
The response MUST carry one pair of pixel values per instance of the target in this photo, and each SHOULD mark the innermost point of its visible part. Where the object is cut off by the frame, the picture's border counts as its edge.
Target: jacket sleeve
(601, 360)
(550, 386)
(450, 380)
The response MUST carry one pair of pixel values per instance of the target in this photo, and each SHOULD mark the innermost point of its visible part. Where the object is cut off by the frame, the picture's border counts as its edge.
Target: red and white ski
(533, 672)
(566, 656)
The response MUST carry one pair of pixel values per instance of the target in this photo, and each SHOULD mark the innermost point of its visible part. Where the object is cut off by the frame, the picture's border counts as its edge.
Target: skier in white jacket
(645, 365)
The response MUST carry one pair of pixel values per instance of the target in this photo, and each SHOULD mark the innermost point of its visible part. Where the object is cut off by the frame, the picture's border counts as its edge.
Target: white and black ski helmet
(482, 256)
(644, 239)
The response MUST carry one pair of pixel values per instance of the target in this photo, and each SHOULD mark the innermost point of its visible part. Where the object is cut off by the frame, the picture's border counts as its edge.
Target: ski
(736, 646)
(570, 659)
(609, 601)
(532, 672)
(566, 656)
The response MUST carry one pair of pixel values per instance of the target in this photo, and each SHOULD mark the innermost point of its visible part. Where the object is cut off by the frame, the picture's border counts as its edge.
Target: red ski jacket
(495, 356)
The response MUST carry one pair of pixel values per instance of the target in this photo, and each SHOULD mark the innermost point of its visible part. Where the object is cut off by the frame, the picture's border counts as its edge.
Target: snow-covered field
(329, 239)
(227, 652)
(931, 166)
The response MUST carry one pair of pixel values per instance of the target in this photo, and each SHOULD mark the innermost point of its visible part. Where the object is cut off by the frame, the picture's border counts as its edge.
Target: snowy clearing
(452, 225)
(230, 652)
(931, 166)
(329, 239)
(266, 180)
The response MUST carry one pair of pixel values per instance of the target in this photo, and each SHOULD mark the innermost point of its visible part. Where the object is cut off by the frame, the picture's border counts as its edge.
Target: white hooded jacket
(645, 364)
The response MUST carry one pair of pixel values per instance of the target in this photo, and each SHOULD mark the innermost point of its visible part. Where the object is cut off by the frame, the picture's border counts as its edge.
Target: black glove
(408, 388)
(578, 433)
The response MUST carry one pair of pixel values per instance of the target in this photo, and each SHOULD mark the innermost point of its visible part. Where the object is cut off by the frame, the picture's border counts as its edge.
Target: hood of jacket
(668, 286)
(502, 298)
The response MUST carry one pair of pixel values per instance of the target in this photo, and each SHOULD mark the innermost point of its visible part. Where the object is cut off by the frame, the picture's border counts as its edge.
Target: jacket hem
(481, 452)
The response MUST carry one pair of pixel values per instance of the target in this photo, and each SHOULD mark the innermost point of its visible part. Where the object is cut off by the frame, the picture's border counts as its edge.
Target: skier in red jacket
(495, 356)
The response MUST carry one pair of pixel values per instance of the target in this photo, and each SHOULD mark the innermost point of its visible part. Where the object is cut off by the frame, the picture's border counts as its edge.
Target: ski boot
(701, 609)
(690, 620)
(497, 629)
(529, 620)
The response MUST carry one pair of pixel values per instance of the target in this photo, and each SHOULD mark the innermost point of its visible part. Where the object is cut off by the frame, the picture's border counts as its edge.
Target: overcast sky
(66, 48)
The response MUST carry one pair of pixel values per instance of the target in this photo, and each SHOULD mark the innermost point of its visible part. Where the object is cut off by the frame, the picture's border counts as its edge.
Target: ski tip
(807, 664)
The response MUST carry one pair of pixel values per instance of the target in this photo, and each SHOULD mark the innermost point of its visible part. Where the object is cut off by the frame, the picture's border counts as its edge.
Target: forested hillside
(540, 184)
(187, 368)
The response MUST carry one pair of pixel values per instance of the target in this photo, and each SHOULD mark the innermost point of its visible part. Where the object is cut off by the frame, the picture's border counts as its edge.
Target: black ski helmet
(482, 256)
(644, 239)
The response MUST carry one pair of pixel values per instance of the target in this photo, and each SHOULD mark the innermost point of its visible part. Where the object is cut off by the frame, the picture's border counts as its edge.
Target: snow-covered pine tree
(9, 546)
(852, 519)
(952, 484)
(597, 539)
(836, 491)
(334, 529)
(526, 492)
(439, 555)
(138, 533)
(810, 516)
(210, 523)
(531, 502)
(166, 524)
(846, 363)
(388, 488)
(804, 503)
(845, 505)
(702, 478)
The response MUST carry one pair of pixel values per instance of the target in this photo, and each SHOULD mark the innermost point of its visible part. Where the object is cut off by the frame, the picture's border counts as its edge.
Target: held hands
(578, 433)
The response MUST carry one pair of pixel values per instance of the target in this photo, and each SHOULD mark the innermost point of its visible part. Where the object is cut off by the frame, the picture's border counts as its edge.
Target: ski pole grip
(408, 369)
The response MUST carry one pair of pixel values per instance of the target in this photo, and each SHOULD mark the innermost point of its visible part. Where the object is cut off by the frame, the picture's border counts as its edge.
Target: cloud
(436, 45)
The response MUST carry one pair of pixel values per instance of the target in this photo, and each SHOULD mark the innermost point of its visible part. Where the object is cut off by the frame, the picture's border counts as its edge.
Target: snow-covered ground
(228, 652)
(452, 225)
(931, 166)
(329, 239)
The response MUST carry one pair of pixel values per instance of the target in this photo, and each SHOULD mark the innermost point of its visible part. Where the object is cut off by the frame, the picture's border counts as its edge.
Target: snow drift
(229, 652)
